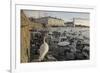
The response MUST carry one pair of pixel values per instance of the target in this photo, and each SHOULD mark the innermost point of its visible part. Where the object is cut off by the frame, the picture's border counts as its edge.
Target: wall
(25, 38)
(26, 26)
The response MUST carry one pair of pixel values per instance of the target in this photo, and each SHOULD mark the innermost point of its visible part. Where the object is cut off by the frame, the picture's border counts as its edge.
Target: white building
(50, 21)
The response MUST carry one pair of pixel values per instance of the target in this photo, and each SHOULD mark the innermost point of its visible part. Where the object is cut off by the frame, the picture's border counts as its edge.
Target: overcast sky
(66, 16)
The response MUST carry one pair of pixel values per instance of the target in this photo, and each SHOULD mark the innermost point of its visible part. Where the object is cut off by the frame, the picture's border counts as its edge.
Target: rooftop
(51, 17)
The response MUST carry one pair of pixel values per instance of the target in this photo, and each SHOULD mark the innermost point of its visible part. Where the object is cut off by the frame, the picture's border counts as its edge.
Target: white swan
(44, 48)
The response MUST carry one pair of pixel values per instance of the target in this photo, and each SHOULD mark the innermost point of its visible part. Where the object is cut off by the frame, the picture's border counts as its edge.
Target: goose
(44, 48)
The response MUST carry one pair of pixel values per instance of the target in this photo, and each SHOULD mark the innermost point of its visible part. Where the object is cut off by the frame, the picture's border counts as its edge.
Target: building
(26, 29)
(50, 21)
(69, 24)
(77, 22)
(81, 21)
(25, 38)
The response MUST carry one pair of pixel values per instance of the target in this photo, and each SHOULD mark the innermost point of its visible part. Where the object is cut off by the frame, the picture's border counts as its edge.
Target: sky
(66, 16)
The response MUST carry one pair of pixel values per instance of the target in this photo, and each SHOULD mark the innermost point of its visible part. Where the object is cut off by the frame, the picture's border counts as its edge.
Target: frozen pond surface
(77, 30)
(64, 44)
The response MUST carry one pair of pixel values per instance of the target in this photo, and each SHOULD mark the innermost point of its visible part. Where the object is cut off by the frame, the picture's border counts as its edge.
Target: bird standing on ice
(44, 48)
